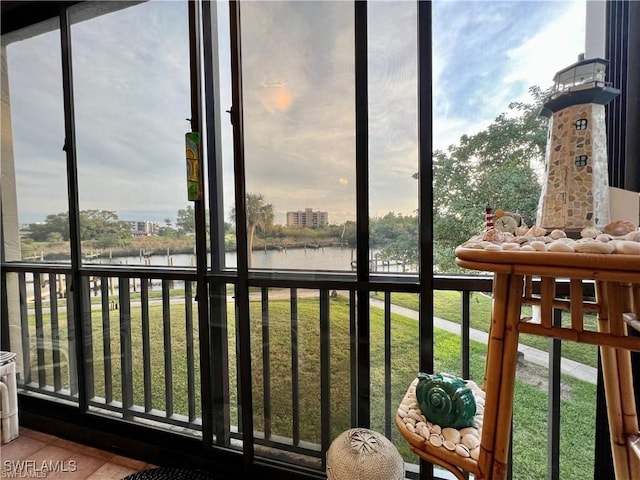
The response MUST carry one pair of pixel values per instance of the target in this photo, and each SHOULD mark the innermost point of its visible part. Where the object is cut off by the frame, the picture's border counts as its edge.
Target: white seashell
(510, 246)
(592, 246)
(402, 413)
(451, 434)
(470, 431)
(463, 450)
(493, 248)
(560, 246)
(423, 431)
(475, 453)
(470, 441)
(476, 245)
(416, 416)
(538, 246)
(449, 445)
(409, 421)
(471, 384)
(633, 236)
(479, 409)
(521, 230)
(557, 233)
(435, 440)
(436, 429)
(603, 237)
(414, 406)
(626, 246)
(590, 232)
(527, 248)
(536, 231)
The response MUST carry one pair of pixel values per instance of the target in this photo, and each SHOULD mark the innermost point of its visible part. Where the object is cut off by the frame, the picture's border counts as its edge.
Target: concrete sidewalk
(533, 355)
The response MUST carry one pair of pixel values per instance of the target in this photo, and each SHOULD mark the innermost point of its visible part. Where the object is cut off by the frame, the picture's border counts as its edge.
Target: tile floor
(29, 456)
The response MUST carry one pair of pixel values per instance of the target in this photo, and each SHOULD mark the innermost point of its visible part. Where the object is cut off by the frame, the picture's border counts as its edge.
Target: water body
(324, 259)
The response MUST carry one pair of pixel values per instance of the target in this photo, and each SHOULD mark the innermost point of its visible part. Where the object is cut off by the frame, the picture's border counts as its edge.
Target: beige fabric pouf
(362, 454)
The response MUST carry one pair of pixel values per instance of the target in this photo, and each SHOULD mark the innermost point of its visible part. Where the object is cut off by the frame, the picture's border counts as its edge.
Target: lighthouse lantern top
(583, 74)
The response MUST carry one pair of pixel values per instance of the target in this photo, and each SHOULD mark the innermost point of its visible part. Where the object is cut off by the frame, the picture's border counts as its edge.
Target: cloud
(131, 88)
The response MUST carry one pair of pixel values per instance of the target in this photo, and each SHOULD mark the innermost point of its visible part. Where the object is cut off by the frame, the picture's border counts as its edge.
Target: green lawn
(448, 305)
(530, 418)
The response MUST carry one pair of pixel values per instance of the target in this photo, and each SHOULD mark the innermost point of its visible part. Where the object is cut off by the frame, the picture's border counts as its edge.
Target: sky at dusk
(131, 92)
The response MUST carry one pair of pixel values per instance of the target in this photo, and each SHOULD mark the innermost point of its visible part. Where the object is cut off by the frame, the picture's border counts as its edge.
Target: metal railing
(142, 346)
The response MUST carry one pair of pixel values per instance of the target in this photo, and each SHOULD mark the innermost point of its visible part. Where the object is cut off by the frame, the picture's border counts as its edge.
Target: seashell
(522, 240)
(536, 231)
(521, 230)
(560, 246)
(449, 445)
(451, 434)
(510, 246)
(603, 237)
(618, 228)
(463, 450)
(415, 416)
(527, 248)
(592, 246)
(590, 232)
(471, 384)
(470, 431)
(423, 431)
(476, 245)
(626, 246)
(435, 440)
(539, 246)
(436, 429)
(402, 413)
(410, 427)
(446, 400)
(632, 236)
(557, 233)
(493, 248)
(475, 453)
(470, 441)
(409, 421)
(492, 235)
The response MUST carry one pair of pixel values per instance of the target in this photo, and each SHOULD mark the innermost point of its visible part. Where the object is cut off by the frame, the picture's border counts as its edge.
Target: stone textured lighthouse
(575, 190)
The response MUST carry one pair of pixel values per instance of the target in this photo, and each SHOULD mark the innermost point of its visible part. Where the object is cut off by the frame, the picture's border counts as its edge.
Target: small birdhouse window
(581, 124)
(581, 161)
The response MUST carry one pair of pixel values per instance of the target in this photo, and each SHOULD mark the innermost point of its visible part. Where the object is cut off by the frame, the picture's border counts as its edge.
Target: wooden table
(617, 304)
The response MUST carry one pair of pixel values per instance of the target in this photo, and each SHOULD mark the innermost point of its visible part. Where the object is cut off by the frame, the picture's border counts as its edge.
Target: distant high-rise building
(143, 228)
(307, 218)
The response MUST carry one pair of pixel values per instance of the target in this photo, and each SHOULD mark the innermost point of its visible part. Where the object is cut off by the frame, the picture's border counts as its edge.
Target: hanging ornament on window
(194, 189)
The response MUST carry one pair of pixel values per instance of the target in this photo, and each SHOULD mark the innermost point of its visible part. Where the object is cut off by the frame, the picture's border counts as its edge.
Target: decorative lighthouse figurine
(575, 189)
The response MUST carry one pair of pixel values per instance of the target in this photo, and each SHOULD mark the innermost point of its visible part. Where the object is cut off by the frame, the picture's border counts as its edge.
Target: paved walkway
(533, 355)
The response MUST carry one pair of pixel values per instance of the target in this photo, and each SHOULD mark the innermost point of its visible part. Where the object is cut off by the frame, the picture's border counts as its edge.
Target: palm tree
(259, 214)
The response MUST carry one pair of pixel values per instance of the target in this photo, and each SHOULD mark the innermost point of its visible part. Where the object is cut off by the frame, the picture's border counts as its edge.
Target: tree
(259, 217)
(100, 226)
(186, 220)
(104, 228)
(54, 223)
(397, 238)
(496, 166)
